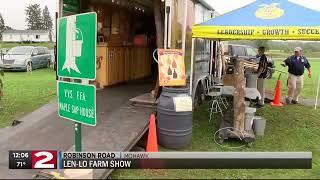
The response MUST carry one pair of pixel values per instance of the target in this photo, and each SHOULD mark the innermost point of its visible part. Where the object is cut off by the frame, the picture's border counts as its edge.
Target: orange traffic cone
(152, 144)
(277, 95)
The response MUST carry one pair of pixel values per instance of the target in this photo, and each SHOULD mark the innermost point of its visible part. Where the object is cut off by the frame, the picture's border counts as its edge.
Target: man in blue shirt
(296, 64)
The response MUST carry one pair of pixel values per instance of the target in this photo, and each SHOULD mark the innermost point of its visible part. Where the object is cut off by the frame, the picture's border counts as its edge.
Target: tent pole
(211, 56)
(192, 62)
(219, 59)
(215, 60)
(316, 103)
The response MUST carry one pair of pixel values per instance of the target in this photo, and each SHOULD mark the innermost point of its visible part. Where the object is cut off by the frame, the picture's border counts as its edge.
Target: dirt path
(43, 129)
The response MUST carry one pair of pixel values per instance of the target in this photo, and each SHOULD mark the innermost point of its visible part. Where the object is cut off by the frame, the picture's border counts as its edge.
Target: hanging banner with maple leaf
(171, 67)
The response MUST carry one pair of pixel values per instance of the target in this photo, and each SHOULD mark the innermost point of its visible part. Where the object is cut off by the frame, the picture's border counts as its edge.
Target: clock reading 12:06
(20, 155)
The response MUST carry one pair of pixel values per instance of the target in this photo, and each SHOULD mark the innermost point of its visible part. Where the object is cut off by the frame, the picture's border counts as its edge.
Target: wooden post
(158, 18)
(239, 95)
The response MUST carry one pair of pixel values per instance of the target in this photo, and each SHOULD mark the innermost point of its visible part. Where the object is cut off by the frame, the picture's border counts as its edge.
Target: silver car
(25, 58)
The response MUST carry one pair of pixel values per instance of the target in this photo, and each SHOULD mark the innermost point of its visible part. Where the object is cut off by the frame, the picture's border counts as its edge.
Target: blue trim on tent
(294, 15)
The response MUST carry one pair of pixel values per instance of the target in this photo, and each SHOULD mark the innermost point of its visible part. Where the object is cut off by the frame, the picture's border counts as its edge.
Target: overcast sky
(13, 10)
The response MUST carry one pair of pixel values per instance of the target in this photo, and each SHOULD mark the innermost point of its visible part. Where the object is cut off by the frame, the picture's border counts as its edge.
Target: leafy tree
(260, 43)
(33, 17)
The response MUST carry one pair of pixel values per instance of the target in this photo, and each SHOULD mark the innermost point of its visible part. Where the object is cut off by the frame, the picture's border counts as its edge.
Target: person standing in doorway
(262, 74)
(296, 64)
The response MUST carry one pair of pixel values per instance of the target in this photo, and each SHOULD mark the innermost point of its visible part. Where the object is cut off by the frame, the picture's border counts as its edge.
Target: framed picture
(171, 67)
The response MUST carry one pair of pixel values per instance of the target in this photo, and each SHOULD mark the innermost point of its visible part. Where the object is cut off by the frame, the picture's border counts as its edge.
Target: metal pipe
(169, 27)
(192, 62)
(215, 59)
(60, 8)
(211, 57)
(165, 28)
(168, 5)
(219, 59)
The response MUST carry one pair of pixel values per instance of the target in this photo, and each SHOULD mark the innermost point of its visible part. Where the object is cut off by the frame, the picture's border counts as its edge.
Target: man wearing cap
(296, 64)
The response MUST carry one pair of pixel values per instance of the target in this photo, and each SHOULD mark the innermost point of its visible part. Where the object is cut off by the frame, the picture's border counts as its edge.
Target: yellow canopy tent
(261, 20)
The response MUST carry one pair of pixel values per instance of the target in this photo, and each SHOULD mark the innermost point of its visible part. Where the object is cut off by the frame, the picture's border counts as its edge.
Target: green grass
(282, 54)
(277, 54)
(290, 128)
(24, 93)
(11, 45)
(310, 85)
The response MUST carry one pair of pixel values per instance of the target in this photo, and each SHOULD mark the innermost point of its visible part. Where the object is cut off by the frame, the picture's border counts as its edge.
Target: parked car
(25, 58)
(247, 53)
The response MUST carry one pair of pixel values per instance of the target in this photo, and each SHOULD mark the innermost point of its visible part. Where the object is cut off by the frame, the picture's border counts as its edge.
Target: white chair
(215, 93)
(221, 99)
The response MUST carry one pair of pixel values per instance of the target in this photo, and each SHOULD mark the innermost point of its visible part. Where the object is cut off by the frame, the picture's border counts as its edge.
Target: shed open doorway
(125, 40)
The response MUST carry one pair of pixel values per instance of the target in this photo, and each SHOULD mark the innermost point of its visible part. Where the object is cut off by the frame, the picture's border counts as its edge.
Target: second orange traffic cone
(152, 144)
(277, 95)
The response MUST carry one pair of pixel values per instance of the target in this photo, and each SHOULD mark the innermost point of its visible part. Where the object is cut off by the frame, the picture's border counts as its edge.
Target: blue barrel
(174, 129)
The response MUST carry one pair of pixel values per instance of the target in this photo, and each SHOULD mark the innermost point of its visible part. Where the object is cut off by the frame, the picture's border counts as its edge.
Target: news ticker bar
(47, 159)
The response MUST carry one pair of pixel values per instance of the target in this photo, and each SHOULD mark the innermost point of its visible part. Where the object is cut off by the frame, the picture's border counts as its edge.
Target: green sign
(77, 102)
(77, 46)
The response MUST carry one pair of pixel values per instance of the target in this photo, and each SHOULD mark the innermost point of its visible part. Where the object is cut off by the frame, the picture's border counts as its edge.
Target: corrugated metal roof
(24, 31)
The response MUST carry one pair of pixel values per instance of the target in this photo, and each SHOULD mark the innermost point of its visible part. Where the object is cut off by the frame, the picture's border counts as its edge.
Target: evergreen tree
(2, 26)
(33, 17)
(46, 19)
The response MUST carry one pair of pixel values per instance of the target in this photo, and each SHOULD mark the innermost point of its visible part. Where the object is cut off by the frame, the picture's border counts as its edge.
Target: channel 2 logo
(44, 159)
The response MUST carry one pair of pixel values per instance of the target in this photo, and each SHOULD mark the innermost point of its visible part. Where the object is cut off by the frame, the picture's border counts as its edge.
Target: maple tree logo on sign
(77, 46)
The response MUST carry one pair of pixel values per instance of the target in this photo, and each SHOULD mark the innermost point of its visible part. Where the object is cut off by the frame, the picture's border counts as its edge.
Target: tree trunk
(158, 19)
(239, 94)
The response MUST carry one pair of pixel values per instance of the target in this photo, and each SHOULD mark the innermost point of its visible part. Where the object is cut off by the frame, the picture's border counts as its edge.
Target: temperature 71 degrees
(21, 164)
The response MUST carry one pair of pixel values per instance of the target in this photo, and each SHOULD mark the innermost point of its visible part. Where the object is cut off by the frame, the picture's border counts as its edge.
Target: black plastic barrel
(174, 129)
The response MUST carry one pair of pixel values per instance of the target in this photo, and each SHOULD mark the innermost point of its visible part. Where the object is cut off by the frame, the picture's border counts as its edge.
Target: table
(251, 93)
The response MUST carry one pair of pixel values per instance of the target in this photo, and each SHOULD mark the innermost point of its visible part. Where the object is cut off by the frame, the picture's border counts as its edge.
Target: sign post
(77, 60)
(77, 137)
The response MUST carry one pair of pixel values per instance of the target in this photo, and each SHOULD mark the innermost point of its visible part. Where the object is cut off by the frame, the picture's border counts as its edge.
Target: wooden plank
(101, 66)
(122, 64)
(132, 70)
(107, 67)
(116, 62)
(110, 57)
(146, 98)
(127, 63)
(239, 94)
